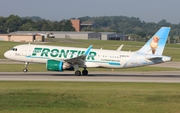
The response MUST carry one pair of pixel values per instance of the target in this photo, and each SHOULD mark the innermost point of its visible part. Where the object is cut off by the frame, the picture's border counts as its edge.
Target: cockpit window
(14, 49)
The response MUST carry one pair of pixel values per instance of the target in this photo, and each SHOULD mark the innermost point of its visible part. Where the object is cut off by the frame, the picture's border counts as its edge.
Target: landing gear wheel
(26, 66)
(77, 73)
(25, 70)
(85, 72)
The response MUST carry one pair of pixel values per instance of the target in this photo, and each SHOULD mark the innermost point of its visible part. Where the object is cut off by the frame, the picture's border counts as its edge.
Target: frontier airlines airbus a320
(58, 58)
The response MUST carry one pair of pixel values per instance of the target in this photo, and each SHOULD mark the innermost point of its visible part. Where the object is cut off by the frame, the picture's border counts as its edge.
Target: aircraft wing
(76, 60)
(79, 59)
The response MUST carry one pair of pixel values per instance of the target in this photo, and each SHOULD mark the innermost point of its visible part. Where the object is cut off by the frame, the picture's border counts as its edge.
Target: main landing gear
(26, 66)
(84, 72)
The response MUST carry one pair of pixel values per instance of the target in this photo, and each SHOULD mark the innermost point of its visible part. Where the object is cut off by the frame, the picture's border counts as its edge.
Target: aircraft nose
(7, 54)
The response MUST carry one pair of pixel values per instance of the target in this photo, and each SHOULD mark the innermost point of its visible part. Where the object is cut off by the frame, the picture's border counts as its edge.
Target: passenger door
(24, 50)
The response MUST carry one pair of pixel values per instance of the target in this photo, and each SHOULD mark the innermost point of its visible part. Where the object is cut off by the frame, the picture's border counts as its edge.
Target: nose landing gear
(26, 66)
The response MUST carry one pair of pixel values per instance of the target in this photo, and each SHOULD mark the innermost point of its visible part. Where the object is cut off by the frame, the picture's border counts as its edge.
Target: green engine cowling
(54, 65)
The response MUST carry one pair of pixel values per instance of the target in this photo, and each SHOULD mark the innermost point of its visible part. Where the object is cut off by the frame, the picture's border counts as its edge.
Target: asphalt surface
(153, 76)
(162, 77)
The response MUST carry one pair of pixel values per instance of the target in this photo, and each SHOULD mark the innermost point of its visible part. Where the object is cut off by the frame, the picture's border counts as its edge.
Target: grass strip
(90, 97)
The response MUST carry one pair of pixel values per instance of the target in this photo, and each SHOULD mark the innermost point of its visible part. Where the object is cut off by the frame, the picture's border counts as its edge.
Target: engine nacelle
(54, 65)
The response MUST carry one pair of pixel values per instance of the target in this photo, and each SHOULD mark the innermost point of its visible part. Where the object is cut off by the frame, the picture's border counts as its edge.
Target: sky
(145, 10)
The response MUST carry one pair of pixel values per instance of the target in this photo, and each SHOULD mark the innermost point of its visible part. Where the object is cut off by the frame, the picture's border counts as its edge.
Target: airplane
(120, 47)
(59, 58)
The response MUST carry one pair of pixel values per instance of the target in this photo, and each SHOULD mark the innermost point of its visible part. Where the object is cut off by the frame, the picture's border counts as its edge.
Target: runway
(159, 77)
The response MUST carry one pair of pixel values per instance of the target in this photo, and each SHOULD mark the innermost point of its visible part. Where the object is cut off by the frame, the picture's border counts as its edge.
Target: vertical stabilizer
(157, 43)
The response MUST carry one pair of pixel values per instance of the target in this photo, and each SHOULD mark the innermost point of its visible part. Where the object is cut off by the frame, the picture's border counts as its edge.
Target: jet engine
(54, 65)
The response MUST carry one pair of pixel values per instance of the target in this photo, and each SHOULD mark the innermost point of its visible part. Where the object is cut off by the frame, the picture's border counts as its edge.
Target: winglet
(120, 47)
(88, 50)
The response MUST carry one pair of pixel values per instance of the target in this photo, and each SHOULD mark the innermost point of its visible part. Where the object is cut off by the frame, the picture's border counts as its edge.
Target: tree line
(130, 26)
(16, 23)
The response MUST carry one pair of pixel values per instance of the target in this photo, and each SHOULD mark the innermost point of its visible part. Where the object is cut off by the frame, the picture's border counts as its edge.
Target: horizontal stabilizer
(150, 57)
(159, 57)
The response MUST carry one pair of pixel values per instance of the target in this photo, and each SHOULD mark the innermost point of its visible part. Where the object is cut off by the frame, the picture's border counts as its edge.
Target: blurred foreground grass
(89, 97)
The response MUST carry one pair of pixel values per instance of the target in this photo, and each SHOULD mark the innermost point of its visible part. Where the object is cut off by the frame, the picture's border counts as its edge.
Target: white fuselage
(96, 58)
